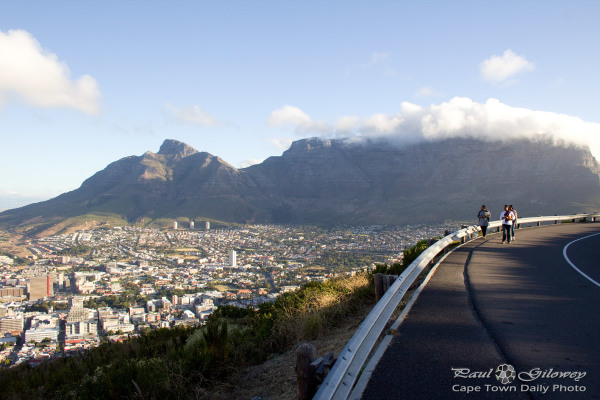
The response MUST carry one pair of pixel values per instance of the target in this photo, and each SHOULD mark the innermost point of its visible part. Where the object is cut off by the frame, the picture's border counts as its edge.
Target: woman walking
(484, 220)
(514, 223)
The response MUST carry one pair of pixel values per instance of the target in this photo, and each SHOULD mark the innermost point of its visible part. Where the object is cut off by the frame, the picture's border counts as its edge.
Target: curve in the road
(491, 303)
(573, 265)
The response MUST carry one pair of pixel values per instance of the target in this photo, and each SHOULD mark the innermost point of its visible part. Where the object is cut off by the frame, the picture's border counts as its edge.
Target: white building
(191, 224)
(77, 329)
(12, 324)
(174, 224)
(39, 334)
(233, 258)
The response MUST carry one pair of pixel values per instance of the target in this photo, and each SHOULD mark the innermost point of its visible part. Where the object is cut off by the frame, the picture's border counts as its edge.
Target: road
(488, 304)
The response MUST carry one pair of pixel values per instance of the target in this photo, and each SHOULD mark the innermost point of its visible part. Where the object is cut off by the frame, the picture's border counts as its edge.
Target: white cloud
(377, 58)
(427, 91)
(498, 69)
(192, 114)
(247, 163)
(462, 117)
(38, 77)
(290, 115)
(281, 143)
(379, 61)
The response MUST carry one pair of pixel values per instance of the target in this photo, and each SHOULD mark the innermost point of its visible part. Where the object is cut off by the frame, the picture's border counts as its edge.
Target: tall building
(61, 280)
(233, 258)
(191, 224)
(207, 225)
(174, 224)
(41, 286)
(76, 311)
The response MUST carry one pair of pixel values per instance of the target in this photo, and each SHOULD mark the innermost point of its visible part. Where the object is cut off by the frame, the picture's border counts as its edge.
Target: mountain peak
(171, 147)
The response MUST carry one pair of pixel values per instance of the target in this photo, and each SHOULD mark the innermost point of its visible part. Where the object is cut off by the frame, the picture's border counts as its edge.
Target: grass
(185, 363)
(223, 287)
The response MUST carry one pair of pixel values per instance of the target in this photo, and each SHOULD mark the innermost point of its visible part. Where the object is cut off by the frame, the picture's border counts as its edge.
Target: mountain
(334, 182)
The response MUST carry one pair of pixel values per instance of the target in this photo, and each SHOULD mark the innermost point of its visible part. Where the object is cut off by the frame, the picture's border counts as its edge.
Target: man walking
(507, 218)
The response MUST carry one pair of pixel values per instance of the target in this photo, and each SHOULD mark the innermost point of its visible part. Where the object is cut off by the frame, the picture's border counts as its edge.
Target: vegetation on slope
(184, 362)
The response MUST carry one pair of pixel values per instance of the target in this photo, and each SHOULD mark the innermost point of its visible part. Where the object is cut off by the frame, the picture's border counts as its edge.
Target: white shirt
(507, 213)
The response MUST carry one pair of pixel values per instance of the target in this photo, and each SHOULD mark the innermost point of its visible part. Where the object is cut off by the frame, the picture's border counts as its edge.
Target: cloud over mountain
(290, 115)
(37, 76)
(461, 117)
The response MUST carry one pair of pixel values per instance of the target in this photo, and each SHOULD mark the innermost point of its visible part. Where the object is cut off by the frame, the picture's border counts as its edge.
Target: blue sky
(83, 84)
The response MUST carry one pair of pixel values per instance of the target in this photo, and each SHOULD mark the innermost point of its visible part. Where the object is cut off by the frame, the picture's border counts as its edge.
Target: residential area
(75, 291)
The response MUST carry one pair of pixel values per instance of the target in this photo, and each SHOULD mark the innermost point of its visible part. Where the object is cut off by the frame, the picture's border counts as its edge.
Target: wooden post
(306, 380)
(378, 281)
(388, 282)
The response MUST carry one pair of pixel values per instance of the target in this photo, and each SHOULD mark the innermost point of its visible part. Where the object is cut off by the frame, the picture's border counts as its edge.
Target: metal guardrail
(339, 382)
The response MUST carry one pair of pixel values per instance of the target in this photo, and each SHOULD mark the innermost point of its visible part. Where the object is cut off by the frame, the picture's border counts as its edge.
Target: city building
(12, 324)
(76, 311)
(41, 286)
(38, 334)
(233, 258)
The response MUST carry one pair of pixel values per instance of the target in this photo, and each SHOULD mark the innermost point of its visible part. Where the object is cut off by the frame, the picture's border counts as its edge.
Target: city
(75, 291)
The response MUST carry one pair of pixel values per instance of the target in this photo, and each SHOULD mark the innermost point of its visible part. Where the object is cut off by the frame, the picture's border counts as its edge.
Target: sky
(83, 84)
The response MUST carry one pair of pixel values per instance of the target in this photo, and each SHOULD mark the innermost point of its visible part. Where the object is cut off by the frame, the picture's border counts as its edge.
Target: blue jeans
(512, 229)
(506, 232)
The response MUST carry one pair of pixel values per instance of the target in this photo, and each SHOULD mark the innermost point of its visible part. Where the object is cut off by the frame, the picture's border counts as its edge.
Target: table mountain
(336, 182)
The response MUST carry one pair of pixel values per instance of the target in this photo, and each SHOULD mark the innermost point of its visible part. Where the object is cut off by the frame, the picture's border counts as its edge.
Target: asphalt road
(488, 304)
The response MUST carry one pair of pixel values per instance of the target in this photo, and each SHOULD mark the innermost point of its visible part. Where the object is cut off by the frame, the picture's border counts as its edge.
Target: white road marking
(573, 265)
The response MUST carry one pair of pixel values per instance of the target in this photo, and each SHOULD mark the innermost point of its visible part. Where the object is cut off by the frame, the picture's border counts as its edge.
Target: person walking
(507, 218)
(514, 223)
(484, 219)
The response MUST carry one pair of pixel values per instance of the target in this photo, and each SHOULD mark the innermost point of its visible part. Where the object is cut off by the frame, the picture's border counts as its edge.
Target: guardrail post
(382, 283)
(539, 223)
(388, 280)
(306, 380)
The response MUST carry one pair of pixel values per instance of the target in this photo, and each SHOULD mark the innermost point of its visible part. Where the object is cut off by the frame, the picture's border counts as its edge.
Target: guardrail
(339, 382)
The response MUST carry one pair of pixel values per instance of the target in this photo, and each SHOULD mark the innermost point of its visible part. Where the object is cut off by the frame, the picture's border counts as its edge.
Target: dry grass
(275, 379)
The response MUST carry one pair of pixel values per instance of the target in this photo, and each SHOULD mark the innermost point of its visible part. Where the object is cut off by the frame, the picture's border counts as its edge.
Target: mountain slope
(335, 182)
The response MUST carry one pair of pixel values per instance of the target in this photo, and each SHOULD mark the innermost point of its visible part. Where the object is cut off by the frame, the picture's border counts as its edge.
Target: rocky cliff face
(431, 181)
(338, 182)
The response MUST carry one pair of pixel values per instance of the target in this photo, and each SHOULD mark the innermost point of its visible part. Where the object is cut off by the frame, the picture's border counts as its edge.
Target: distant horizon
(89, 83)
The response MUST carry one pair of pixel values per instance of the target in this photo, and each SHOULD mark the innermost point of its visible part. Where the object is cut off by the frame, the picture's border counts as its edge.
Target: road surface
(532, 304)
